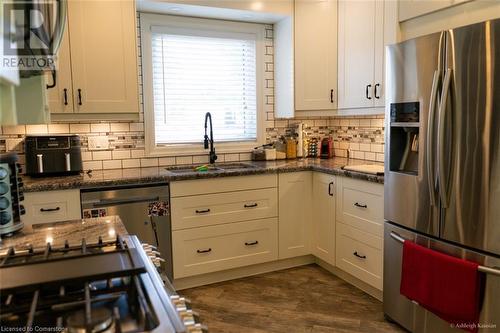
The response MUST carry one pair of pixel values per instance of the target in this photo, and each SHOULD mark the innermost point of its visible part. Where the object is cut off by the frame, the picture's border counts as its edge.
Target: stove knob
(189, 317)
(22, 211)
(197, 328)
(181, 303)
(176, 299)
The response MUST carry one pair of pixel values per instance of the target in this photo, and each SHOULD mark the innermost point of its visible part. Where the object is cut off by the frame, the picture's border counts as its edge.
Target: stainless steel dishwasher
(144, 210)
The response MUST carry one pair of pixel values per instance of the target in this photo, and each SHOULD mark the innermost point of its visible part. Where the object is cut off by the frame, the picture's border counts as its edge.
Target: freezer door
(415, 318)
(469, 132)
(414, 74)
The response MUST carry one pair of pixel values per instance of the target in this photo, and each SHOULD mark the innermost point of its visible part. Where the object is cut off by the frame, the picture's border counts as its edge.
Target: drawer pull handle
(251, 243)
(203, 211)
(204, 251)
(50, 209)
(360, 205)
(251, 205)
(359, 256)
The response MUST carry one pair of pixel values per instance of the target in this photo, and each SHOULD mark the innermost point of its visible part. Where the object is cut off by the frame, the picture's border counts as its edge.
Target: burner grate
(115, 305)
(85, 262)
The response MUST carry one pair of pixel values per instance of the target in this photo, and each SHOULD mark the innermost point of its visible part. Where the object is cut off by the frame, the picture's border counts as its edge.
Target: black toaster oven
(53, 155)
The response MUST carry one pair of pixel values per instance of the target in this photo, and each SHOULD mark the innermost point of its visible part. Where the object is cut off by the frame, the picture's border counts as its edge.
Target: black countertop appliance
(48, 155)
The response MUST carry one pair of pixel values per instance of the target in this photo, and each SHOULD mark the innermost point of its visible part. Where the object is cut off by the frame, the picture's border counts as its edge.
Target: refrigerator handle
(430, 136)
(443, 190)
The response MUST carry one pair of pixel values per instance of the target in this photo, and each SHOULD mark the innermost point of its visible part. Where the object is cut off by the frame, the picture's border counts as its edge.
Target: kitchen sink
(211, 168)
(187, 169)
(233, 166)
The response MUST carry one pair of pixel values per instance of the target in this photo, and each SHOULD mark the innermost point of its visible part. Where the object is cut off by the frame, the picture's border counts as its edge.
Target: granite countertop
(102, 178)
(57, 233)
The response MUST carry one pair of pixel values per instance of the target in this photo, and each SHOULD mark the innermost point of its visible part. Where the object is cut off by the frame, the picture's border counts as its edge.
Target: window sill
(197, 149)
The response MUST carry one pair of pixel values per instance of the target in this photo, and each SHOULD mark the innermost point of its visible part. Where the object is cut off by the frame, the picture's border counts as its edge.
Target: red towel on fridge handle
(447, 286)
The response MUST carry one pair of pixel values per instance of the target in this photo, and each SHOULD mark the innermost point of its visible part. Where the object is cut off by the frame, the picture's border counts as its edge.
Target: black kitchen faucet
(213, 156)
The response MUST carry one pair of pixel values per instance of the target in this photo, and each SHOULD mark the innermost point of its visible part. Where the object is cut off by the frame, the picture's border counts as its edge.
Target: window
(193, 66)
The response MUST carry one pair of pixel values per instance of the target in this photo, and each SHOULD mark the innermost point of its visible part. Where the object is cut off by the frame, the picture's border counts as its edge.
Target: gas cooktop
(110, 286)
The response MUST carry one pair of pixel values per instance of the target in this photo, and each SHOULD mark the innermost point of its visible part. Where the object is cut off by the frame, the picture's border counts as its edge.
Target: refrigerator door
(469, 138)
(414, 77)
(415, 318)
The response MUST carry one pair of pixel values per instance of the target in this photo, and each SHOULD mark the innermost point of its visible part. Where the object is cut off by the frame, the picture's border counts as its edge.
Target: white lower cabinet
(359, 229)
(323, 217)
(295, 192)
(51, 206)
(219, 247)
(219, 208)
(220, 224)
(360, 254)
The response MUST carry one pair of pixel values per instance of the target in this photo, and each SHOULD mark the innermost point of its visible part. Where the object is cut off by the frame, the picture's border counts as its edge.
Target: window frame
(179, 23)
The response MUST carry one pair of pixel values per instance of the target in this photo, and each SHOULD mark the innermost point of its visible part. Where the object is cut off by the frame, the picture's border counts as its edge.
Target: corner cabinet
(295, 189)
(361, 55)
(323, 217)
(97, 67)
(315, 55)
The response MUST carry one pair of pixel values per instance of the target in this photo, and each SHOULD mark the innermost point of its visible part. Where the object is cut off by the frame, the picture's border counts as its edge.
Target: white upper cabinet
(315, 54)
(60, 97)
(98, 61)
(361, 54)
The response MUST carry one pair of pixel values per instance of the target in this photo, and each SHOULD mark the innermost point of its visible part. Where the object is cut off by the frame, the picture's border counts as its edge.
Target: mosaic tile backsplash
(363, 136)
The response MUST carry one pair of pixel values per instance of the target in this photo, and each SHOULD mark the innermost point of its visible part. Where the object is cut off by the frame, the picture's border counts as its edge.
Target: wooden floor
(306, 299)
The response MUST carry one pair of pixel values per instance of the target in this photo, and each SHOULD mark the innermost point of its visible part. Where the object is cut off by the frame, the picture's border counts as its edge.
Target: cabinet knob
(368, 87)
(204, 251)
(250, 205)
(330, 191)
(377, 96)
(331, 96)
(358, 255)
(360, 205)
(65, 92)
(80, 97)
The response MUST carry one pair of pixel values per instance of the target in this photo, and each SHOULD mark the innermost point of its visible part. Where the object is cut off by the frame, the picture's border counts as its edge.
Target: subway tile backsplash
(363, 136)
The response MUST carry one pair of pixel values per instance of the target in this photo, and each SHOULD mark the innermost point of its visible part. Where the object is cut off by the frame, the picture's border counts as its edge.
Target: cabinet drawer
(219, 208)
(360, 254)
(361, 205)
(220, 247)
(219, 185)
(52, 206)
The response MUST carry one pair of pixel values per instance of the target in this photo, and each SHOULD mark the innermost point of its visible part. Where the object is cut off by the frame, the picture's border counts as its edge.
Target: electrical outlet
(98, 142)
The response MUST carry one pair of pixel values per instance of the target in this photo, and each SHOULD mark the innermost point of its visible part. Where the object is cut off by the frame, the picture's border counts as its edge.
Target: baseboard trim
(370, 290)
(241, 272)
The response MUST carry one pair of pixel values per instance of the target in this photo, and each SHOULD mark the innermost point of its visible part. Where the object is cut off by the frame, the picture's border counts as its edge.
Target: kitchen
(250, 166)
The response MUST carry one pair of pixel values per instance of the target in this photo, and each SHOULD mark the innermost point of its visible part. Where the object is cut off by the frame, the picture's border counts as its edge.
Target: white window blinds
(197, 71)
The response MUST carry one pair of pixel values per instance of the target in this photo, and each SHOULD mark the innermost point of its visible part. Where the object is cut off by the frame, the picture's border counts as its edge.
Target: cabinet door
(294, 213)
(104, 56)
(356, 58)
(315, 54)
(323, 217)
(379, 61)
(60, 97)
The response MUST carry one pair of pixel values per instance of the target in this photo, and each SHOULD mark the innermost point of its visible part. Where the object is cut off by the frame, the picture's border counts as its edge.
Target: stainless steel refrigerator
(442, 164)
